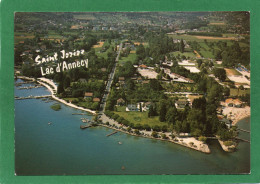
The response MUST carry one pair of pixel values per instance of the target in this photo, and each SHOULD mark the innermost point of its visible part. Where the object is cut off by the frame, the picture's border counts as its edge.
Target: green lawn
(131, 57)
(103, 54)
(186, 54)
(237, 92)
(139, 117)
(205, 50)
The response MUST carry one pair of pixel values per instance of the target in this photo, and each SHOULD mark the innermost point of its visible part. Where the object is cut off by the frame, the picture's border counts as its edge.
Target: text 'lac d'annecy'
(61, 66)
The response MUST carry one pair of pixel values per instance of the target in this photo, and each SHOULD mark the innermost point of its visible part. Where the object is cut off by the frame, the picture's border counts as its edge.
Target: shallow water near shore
(63, 148)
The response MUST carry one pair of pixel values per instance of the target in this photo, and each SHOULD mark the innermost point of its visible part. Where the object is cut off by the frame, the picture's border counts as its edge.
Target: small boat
(49, 123)
(120, 142)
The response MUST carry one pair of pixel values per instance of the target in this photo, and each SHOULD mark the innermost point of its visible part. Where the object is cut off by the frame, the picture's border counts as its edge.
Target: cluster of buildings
(89, 95)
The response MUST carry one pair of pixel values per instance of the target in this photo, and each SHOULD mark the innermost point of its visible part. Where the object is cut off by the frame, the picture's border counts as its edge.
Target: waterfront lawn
(139, 117)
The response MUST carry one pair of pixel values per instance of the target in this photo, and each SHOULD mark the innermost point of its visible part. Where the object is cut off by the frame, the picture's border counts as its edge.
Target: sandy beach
(236, 114)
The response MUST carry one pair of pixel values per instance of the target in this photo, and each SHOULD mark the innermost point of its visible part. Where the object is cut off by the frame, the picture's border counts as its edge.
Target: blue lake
(62, 148)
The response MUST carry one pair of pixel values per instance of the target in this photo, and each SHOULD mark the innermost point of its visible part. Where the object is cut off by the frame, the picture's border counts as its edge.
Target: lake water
(62, 148)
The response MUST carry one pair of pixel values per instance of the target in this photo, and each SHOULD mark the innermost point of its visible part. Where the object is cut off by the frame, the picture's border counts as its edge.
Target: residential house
(146, 106)
(82, 80)
(142, 66)
(233, 103)
(88, 95)
(132, 107)
(121, 80)
(103, 69)
(180, 104)
(96, 99)
(120, 102)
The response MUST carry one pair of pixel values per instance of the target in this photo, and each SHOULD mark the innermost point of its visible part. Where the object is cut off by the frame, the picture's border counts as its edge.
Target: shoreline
(52, 92)
(237, 114)
(198, 146)
(161, 139)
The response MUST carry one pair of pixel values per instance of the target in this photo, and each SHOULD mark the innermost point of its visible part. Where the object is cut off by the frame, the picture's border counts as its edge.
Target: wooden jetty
(112, 133)
(20, 83)
(242, 139)
(31, 97)
(30, 87)
(78, 114)
(243, 130)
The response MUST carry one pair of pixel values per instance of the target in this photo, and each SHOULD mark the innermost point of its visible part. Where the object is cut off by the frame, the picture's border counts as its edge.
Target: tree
(137, 132)
(66, 82)
(151, 111)
(181, 46)
(163, 136)
(171, 115)
(154, 134)
(140, 52)
(162, 111)
(155, 85)
(226, 91)
(60, 88)
(199, 103)
(220, 73)
(199, 61)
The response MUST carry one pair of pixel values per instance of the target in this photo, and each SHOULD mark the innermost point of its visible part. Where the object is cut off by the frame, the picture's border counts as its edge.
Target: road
(109, 83)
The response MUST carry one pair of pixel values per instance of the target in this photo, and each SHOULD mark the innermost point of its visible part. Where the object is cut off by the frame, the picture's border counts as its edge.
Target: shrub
(137, 132)
(75, 101)
(125, 122)
(228, 143)
(163, 136)
(156, 128)
(202, 138)
(115, 116)
(129, 129)
(56, 107)
(154, 134)
(147, 127)
(164, 128)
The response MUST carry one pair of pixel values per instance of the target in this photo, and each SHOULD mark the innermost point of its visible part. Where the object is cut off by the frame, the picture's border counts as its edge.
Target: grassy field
(131, 57)
(21, 36)
(231, 72)
(103, 54)
(237, 92)
(84, 17)
(139, 117)
(199, 38)
(186, 54)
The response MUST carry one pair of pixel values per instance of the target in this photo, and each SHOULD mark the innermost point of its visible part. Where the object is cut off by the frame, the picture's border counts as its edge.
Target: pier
(32, 97)
(30, 87)
(25, 82)
(85, 126)
(78, 113)
(243, 130)
(240, 139)
(112, 133)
